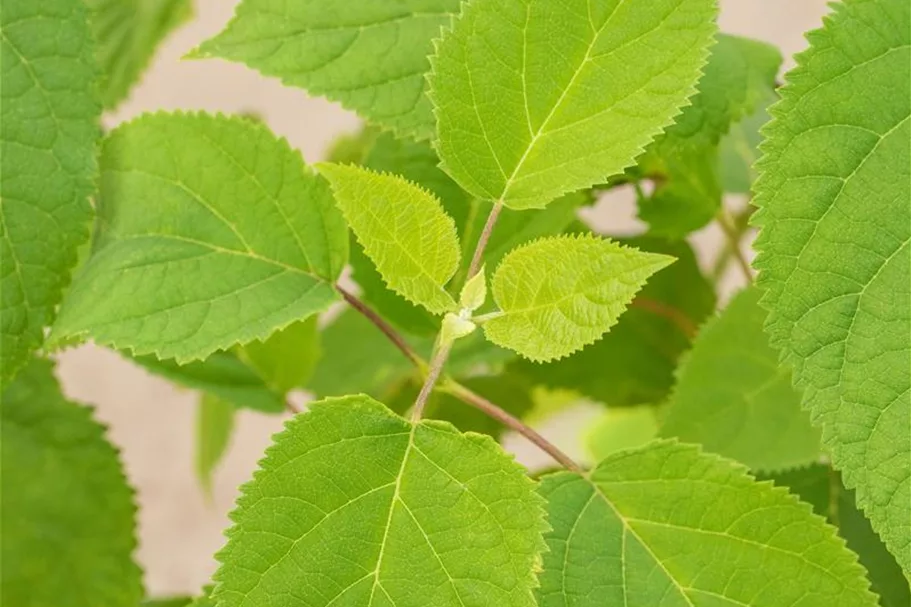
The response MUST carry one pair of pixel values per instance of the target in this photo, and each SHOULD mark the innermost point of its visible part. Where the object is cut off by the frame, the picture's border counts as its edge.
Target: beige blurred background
(153, 422)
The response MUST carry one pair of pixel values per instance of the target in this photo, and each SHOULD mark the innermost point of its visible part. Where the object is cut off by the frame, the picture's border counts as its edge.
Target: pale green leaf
(557, 295)
(354, 505)
(213, 233)
(214, 426)
(834, 256)
(733, 398)
(48, 132)
(739, 75)
(537, 99)
(127, 33)
(634, 363)
(667, 525)
(621, 428)
(287, 358)
(403, 230)
(417, 162)
(474, 293)
(455, 327)
(821, 487)
(370, 56)
(222, 375)
(68, 516)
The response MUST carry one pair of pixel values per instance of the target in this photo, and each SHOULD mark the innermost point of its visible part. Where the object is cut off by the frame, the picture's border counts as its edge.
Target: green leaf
(68, 516)
(370, 57)
(821, 487)
(669, 525)
(739, 75)
(537, 99)
(287, 358)
(357, 358)
(634, 363)
(417, 162)
(127, 32)
(415, 514)
(48, 130)
(403, 230)
(222, 375)
(214, 426)
(352, 147)
(621, 428)
(560, 294)
(733, 398)
(834, 255)
(219, 240)
(474, 293)
(739, 149)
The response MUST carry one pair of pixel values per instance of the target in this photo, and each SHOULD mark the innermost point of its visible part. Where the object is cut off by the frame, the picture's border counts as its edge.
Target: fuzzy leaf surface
(834, 194)
(669, 526)
(733, 397)
(48, 133)
(537, 99)
(404, 231)
(371, 56)
(634, 362)
(218, 240)
(127, 33)
(68, 515)
(560, 294)
(419, 514)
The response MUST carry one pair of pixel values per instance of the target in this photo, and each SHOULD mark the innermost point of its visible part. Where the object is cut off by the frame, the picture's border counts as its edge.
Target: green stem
(733, 235)
(456, 389)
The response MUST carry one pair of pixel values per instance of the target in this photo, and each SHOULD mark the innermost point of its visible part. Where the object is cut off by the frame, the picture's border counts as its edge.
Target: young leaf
(287, 358)
(734, 399)
(740, 73)
(474, 293)
(834, 253)
(560, 294)
(634, 363)
(222, 375)
(214, 425)
(370, 56)
(537, 99)
(68, 515)
(127, 33)
(218, 240)
(48, 131)
(355, 505)
(669, 525)
(403, 230)
(820, 486)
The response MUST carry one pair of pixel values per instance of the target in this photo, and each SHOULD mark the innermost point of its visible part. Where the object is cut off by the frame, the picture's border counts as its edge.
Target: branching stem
(382, 325)
(482, 241)
(732, 234)
(491, 410)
